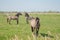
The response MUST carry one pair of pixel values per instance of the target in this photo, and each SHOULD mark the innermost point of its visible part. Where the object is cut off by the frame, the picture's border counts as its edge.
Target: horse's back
(12, 17)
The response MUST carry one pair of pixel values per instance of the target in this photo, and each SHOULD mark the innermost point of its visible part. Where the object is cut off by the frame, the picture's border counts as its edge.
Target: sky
(29, 5)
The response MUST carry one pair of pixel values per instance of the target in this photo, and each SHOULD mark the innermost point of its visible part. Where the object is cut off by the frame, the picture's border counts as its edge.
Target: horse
(27, 17)
(34, 23)
(9, 18)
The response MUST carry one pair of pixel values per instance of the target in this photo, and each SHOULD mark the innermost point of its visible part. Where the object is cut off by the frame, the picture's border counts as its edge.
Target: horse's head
(37, 20)
(19, 13)
(26, 14)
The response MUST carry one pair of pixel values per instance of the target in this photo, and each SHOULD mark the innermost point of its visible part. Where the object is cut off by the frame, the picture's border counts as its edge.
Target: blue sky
(29, 5)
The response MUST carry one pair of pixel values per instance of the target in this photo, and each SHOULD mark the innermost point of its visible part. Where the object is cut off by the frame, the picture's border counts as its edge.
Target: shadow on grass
(47, 35)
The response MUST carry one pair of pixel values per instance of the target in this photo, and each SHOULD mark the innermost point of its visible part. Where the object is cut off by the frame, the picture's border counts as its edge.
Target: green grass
(49, 23)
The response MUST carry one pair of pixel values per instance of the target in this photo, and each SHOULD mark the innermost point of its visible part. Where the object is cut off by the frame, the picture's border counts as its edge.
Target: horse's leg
(37, 30)
(27, 20)
(32, 29)
(17, 21)
(7, 20)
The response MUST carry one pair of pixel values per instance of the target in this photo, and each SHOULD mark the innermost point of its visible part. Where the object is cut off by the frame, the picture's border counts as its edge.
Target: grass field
(49, 29)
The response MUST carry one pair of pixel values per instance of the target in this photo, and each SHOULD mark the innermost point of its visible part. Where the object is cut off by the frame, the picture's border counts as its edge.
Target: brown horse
(35, 25)
(34, 22)
(16, 17)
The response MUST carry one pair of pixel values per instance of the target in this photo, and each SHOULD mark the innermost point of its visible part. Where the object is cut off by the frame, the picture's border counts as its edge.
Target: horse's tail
(27, 20)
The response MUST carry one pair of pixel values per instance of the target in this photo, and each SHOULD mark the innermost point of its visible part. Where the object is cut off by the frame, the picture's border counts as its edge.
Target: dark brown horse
(16, 17)
(34, 22)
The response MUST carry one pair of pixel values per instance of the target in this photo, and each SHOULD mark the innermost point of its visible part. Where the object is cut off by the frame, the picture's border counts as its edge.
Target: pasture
(49, 29)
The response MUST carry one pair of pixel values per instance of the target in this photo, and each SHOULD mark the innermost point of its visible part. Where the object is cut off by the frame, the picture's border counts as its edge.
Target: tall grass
(56, 37)
(49, 29)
